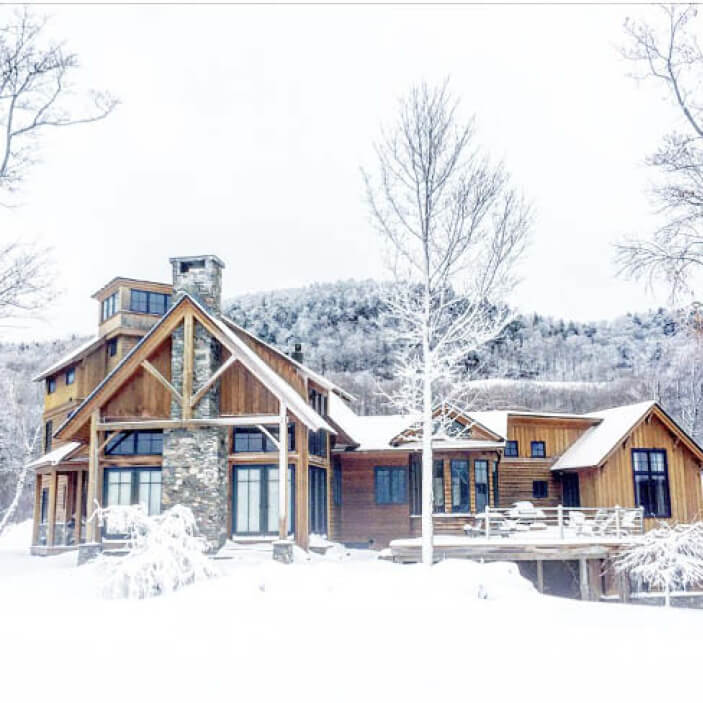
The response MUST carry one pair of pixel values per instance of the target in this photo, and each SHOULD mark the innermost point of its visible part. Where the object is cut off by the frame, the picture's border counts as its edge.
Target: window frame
(513, 443)
(150, 307)
(538, 442)
(108, 307)
(456, 466)
(50, 385)
(487, 484)
(265, 441)
(542, 484)
(134, 472)
(48, 435)
(649, 473)
(112, 347)
(392, 500)
(70, 376)
(317, 443)
(120, 438)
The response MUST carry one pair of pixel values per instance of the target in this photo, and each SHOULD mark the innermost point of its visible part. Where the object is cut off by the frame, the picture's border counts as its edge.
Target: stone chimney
(201, 277)
(297, 353)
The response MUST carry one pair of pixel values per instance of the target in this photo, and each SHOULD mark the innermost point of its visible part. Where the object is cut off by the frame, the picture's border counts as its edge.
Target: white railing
(558, 522)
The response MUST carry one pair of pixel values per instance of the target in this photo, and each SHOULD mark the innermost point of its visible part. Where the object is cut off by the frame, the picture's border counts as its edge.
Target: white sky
(242, 130)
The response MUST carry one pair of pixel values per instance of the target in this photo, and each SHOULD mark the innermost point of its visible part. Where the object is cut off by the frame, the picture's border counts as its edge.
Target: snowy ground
(337, 628)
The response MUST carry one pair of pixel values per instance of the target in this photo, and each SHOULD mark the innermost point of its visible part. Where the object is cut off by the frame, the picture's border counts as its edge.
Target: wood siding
(515, 478)
(242, 393)
(557, 433)
(613, 484)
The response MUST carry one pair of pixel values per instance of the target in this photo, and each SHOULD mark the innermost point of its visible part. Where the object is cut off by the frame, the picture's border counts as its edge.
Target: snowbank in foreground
(345, 628)
(17, 536)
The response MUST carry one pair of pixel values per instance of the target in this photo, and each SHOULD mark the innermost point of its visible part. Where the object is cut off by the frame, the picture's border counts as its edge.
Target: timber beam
(163, 381)
(165, 424)
(209, 383)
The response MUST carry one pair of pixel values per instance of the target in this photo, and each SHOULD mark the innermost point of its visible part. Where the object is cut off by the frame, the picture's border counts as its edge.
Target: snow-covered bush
(164, 553)
(667, 558)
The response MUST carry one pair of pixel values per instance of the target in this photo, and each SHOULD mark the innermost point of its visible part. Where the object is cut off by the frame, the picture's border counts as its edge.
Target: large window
(255, 499)
(132, 486)
(253, 440)
(337, 482)
(317, 443)
(481, 481)
(537, 450)
(391, 483)
(144, 442)
(511, 448)
(416, 485)
(651, 482)
(109, 307)
(148, 302)
(460, 486)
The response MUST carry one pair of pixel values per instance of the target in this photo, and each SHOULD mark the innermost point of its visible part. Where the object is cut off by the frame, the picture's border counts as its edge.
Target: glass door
(255, 500)
(318, 500)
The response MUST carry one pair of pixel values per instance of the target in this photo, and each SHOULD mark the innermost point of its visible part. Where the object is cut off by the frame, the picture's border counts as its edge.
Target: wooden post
(595, 579)
(93, 461)
(487, 517)
(583, 579)
(79, 507)
(37, 508)
(52, 510)
(282, 472)
(560, 515)
(540, 575)
(187, 366)
(301, 486)
(624, 587)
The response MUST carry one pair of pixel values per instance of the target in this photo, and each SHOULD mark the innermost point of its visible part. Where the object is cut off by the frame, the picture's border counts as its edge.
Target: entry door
(570, 491)
(255, 500)
(318, 500)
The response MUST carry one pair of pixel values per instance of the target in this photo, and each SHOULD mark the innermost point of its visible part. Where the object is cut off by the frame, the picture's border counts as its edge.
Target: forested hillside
(539, 363)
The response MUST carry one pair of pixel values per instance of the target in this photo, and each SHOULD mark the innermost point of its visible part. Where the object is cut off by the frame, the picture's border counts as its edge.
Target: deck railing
(559, 521)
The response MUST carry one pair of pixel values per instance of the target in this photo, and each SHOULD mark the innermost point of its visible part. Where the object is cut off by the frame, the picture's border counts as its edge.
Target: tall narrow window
(112, 347)
(460, 486)
(415, 484)
(496, 493)
(109, 307)
(438, 486)
(70, 375)
(48, 434)
(481, 481)
(651, 478)
(337, 483)
(51, 384)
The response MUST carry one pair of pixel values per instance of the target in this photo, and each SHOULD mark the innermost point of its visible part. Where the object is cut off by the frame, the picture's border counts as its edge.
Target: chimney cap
(202, 257)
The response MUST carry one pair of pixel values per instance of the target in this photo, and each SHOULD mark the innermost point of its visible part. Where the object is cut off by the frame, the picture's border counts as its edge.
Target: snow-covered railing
(559, 521)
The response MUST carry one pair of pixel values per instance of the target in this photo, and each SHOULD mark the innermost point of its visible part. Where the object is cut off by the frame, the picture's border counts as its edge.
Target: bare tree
(36, 93)
(20, 435)
(454, 227)
(668, 52)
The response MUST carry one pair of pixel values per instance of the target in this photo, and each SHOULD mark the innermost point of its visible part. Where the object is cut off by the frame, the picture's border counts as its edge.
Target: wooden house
(172, 402)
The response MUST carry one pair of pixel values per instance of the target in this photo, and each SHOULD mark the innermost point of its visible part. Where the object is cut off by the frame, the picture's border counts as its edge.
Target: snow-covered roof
(494, 420)
(55, 456)
(73, 355)
(593, 446)
(316, 377)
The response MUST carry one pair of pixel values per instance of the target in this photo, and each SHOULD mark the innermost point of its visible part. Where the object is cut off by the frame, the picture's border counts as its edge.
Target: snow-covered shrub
(164, 553)
(667, 558)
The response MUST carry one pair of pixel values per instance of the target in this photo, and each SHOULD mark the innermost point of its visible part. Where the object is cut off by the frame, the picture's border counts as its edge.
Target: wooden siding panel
(515, 479)
(242, 393)
(557, 434)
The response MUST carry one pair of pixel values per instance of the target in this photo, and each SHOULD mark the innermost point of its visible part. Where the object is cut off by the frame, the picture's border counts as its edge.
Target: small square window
(511, 448)
(540, 489)
(70, 375)
(537, 450)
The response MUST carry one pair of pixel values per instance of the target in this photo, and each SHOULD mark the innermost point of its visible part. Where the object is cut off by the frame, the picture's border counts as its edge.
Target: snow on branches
(667, 558)
(164, 553)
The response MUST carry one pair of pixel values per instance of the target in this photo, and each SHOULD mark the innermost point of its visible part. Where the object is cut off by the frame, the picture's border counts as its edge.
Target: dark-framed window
(511, 448)
(481, 483)
(44, 505)
(51, 384)
(460, 486)
(391, 485)
(538, 450)
(112, 347)
(438, 486)
(253, 440)
(415, 479)
(540, 489)
(109, 307)
(148, 302)
(317, 443)
(496, 492)
(651, 477)
(337, 482)
(142, 442)
(318, 401)
(48, 434)
(70, 375)
(138, 485)
(255, 499)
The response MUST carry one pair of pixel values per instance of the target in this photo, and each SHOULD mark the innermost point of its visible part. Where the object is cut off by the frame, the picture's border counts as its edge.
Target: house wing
(157, 335)
(598, 443)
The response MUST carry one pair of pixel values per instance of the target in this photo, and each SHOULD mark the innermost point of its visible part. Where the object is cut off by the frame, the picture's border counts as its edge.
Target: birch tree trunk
(427, 498)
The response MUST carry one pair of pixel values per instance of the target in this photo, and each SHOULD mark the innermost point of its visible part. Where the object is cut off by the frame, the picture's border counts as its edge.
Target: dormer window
(70, 375)
(109, 307)
(51, 384)
(148, 302)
